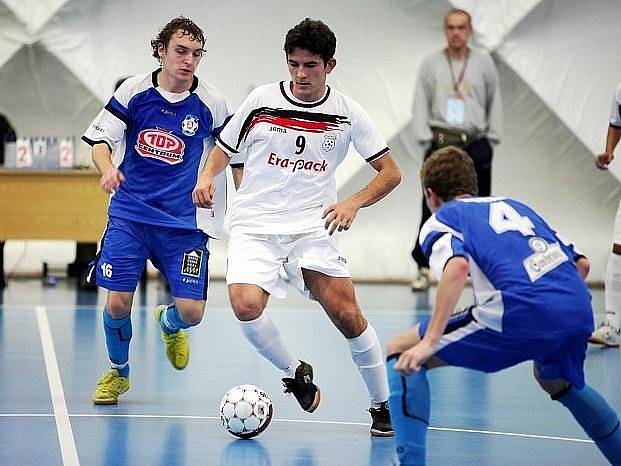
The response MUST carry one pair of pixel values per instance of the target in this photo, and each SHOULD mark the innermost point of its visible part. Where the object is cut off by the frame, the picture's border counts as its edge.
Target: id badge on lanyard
(455, 110)
(455, 105)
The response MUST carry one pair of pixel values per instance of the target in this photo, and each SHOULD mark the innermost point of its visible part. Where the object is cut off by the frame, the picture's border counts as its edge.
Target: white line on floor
(63, 425)
(344, 423)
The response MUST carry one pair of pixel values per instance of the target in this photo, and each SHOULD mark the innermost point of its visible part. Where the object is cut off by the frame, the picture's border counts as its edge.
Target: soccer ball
(246, 411)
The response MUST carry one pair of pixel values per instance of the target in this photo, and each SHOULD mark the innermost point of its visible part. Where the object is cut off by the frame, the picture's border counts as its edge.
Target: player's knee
(117, 307)
(552, 387)
(403, 341)
(246, 309)
(350, 321)
(393, 346)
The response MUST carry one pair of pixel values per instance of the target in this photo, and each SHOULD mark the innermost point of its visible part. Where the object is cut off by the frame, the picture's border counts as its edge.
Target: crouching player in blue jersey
(531, 303)
(164, 123)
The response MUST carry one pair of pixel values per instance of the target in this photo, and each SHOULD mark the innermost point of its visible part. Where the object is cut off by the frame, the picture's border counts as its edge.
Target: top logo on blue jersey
(160, 144)
(189, 126)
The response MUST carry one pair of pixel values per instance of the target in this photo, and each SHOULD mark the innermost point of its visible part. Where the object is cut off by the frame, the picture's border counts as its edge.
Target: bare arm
(111, 177)
(202, 196)
(342, 214)
(449, 290)
(612, 139)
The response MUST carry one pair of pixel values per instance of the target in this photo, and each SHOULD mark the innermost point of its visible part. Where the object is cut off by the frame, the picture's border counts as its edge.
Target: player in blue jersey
(164, 123)
(531, 304)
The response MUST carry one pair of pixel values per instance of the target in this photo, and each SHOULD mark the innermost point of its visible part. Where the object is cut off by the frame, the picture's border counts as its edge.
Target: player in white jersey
(608, 333)
(531, 304)
(164, 124)
(293, 135)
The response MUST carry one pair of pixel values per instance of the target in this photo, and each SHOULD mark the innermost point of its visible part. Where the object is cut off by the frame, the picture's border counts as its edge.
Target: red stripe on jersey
(294, 123)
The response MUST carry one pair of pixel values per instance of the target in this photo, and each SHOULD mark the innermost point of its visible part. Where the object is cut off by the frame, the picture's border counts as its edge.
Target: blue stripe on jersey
(429, 241)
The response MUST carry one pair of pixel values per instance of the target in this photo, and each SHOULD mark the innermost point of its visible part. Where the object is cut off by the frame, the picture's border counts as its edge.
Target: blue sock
(597, 418)
(118, 334)
(409, 402)
(171, 321)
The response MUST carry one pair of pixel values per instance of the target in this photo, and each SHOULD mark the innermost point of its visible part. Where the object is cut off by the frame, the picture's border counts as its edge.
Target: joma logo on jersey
(299, 164)
(161, 145)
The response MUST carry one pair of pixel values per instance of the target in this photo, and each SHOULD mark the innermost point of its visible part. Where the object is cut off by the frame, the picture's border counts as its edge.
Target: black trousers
(480, 151)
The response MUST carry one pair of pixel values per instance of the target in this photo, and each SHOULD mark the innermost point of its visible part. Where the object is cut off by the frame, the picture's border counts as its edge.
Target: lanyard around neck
(457, 82)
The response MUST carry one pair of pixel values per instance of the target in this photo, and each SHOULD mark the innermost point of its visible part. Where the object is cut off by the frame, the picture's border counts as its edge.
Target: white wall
(557, 59)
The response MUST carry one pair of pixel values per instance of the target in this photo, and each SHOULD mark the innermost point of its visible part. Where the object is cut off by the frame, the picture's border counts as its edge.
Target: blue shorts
(466, 343)
(180, 255)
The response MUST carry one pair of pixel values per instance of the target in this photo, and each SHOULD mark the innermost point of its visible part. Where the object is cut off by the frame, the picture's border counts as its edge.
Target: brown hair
(449, 172)
(180, 23)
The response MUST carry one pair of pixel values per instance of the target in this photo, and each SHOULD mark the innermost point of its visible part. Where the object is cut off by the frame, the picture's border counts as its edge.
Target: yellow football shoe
(177, 344)
(109, 387)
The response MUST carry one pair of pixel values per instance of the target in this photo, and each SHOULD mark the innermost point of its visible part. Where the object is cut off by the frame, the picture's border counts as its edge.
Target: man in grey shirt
(457, 102)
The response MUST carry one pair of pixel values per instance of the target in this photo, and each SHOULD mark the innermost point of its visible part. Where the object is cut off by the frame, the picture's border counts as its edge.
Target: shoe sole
(182, 367)
(420, 287)
(316, 401)
(105, 402)
(381, 433)
(600, 341)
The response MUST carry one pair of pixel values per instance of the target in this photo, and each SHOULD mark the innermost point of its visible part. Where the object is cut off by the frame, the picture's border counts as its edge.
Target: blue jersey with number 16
(162, 140)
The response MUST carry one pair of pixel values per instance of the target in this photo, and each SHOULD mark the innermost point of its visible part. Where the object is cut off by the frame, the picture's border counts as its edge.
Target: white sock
(367, 354)
(612, 293)
(263, 335)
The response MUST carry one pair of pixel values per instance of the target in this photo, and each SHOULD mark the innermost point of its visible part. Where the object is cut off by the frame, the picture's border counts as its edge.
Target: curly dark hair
(449, 172)
(180, 23)
(312, 35)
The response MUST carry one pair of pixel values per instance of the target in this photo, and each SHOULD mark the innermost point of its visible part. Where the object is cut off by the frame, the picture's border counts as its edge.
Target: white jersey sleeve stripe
(225, 147)
(378, 155)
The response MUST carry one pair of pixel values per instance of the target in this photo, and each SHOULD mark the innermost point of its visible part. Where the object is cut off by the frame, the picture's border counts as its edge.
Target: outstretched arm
(342, 214)
(449, 290)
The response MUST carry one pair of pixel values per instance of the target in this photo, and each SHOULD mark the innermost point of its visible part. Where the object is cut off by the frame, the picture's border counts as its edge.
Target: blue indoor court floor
(52, 352)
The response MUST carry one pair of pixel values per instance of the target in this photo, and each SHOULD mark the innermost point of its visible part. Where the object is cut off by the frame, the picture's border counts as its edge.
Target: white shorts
(617, 234)
(257, 259)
